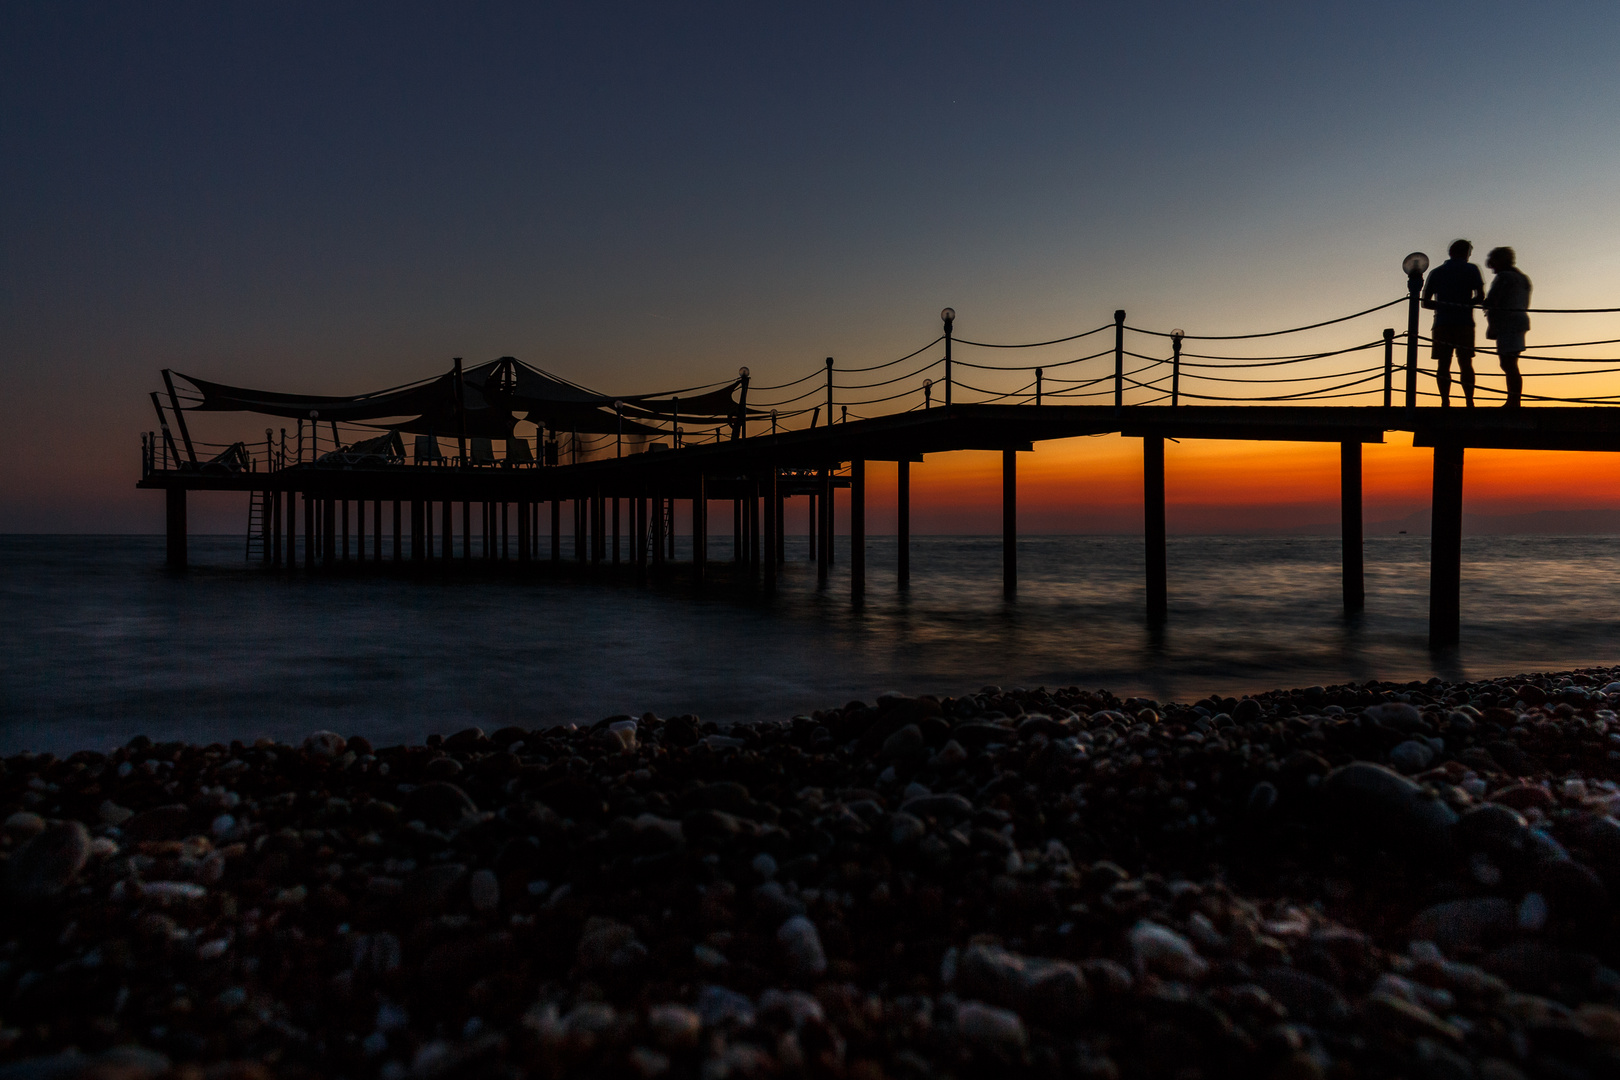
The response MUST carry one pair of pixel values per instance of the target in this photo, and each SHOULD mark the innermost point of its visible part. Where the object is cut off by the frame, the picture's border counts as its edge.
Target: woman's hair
(1460, 249)
(1503, 255)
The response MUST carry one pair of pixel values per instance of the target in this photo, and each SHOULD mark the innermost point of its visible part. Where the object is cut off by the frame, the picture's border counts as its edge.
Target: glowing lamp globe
(1415, 264)
(948, 315)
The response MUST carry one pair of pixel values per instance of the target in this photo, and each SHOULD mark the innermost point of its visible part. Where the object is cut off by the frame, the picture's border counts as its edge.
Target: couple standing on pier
(1452, 291)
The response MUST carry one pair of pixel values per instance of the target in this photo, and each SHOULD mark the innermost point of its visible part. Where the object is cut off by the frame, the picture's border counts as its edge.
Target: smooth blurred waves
(99, 642)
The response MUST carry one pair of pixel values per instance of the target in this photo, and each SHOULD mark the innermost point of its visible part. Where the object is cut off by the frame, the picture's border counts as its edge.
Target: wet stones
(1161, 950)
(48, 862)
(327, 745)
(1053, 990)
(1411, 756)
(1389, 810)
(1464, 924)
(802, 954)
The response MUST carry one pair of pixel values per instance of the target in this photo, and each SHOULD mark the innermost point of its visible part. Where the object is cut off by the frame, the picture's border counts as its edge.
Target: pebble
(484, 891)
(1532, 915)
(1411, 756)
(1460, 924)
(1160, 949)
(1390, 809)
(47, 864)
(802, 952)
(987, 1025)
(327, 745)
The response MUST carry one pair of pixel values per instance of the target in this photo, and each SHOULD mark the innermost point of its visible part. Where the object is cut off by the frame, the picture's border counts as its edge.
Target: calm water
(99, 642)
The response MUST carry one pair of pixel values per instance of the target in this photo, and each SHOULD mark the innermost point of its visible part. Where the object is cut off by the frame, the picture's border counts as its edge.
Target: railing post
(948, 316)
(829, 391)
(1414, 285)
(1038, 373)
(1389, 366)
(1175, 367)
(1119, 361)
(741, 430)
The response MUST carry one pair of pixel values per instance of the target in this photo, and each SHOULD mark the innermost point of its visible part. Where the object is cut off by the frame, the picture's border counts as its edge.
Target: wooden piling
(658, 526)
(779, 513)
(523, 531)
(773, 527)
(290, 525)
(399, 540)
(448, 531)
(376, 531)
(274, 549)
(345, 530)
(360, 531)
(1350, 524)
(615, 559)
(328, 531)
(823, 521)
(700, 526)
(857, 528)
(556, 530)
(175, 522)
(1445, 552)
(309, 531)
(1009, 522)
(1158, 590)
(466, 531)
(902, 568)
(418, 550)
(812, 527)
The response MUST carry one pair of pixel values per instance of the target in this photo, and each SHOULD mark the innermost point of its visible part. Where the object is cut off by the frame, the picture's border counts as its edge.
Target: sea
(99, 642)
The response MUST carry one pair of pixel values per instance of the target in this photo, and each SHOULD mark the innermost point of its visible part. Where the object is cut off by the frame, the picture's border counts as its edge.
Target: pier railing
(1346, 360)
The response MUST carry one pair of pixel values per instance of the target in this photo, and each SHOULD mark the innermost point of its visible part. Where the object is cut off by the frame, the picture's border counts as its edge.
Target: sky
(337, 198)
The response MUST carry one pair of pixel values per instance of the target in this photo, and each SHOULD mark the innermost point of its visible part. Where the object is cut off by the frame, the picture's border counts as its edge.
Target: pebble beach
(1370, 880)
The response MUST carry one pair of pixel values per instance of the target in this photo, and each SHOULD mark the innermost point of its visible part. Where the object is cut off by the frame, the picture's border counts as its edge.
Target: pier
(617, 466)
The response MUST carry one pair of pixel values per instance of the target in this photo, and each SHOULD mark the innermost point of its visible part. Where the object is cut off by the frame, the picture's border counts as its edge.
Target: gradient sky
(341, 197)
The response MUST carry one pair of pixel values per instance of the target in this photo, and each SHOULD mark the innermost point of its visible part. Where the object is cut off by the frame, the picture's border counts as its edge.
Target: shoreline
(1359, 880)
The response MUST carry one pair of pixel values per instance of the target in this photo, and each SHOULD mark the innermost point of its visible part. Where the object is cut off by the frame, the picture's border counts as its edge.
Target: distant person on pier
(1507, 317)
(1451, 292)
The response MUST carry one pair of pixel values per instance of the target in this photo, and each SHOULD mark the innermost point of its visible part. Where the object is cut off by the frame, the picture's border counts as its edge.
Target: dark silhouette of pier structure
(619, 465)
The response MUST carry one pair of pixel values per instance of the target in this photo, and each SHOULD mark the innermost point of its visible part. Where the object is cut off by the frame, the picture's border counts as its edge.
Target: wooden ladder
(258, 529)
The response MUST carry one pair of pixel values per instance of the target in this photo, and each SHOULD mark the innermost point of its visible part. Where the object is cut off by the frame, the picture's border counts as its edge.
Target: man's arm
(1428, 290)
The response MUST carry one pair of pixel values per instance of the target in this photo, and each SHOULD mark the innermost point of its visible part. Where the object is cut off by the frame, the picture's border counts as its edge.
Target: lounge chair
(483, 451)
(518, 452)
(427, 451)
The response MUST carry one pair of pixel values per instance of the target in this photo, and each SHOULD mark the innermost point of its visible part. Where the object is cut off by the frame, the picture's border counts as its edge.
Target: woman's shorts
(1510, 341)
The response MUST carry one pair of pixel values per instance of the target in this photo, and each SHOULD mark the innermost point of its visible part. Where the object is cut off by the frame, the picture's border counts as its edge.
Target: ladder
(258, 529)
(667, 508)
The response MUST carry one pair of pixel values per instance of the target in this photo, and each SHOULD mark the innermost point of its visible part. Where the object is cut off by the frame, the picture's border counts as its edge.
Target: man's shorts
(1447, 338)
(1510, 342)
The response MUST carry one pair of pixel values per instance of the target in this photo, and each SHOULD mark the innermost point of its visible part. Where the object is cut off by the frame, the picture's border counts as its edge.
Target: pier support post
(376, 530)
(737, 550)
(360, 530)
(1445, 553)
(824, 528)
(615, 559)
(1355, 589)
(638, 511)
(812, 526)
(773, 527)
(345, 530)
(1158, 590)
(1009, 522)
(657, 527)
(700, 526)
(175, 520)
(273, 544)
(418, 551)
(399, 540)
(778, 511)
(328, 531)
(902, 568)
(556, 530)
(290, 524)
(523, 532)
(466, 531)
(857, 528)
(448, 530)
(309, 531)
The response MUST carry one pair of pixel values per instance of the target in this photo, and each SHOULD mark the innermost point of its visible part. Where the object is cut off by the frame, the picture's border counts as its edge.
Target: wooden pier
(430, 507)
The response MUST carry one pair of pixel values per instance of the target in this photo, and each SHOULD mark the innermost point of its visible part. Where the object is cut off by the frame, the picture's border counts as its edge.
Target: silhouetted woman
(1507, 317)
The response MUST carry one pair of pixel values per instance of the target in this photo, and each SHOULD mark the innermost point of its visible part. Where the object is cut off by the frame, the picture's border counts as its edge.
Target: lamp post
(741, 430)
(1175, 369)
(618, 442)
(928, 393)
(948, 317)
(1415, 265)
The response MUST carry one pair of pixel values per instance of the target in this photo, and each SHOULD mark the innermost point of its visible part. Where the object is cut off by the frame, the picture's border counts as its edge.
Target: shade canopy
(484, 402)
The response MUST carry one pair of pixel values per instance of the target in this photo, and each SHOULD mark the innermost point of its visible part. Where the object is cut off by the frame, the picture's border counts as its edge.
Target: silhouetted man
(1507, 317)
(1451, 292)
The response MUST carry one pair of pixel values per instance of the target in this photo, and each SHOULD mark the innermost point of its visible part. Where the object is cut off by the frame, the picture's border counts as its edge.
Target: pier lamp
(741, 430)
(948, 317)
(1415, 265)
(928, 393)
